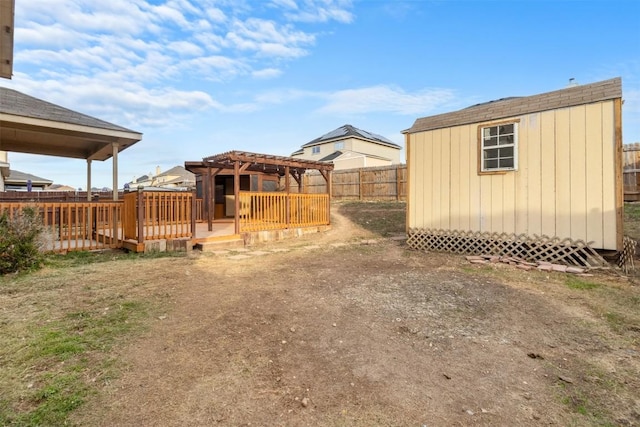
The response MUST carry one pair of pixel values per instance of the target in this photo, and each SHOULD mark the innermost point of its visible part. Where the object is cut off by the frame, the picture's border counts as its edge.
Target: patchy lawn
(328, 329)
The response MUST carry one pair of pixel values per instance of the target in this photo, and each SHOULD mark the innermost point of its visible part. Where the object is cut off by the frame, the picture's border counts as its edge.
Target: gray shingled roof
(350, 131)
(19, 104)
(516, 106)
(22, 177)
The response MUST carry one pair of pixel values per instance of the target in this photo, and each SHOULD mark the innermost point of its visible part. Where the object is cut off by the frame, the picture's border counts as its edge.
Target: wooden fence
(56, 196)
(376, 183)
(276, 210)
(631, 172)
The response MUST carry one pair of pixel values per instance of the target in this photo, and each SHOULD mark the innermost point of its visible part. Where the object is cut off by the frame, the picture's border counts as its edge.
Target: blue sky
(201, 77)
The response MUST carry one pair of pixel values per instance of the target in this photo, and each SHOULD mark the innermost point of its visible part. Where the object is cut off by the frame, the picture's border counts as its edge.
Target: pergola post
(207, 194)
(236, 195)
(115, 146)
(287, 183)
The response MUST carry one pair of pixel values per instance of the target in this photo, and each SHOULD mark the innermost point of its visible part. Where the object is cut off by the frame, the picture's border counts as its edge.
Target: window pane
(491, 154)
(506, 128)
(486, 133)
(506, 139)
(491, 164)
(493, 131)
(506, 163)
(506, 152)
(490, 142)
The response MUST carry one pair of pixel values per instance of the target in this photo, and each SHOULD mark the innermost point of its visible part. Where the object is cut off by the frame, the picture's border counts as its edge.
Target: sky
(202, 77)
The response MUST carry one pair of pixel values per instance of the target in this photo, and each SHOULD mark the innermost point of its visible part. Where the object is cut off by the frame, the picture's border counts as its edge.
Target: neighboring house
(20, 181)
(176, 177)
(542, 165)
(60, 187)
(349, 147)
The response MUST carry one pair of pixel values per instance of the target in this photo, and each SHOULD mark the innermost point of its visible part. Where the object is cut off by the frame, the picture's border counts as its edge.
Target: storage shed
(544, 170)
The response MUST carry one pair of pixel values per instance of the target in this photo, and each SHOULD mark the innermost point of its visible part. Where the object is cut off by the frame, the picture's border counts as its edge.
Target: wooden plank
(455, 176)
(548, 176)
(522, 178)
(617, 110)
(444, 142)
(578, 173)
(594, 174)
(610, 168)
(563, 172)
(475, 215)
(534, 175)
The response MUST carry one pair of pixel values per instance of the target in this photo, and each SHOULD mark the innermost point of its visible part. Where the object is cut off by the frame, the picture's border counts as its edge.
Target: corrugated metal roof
(516, 106)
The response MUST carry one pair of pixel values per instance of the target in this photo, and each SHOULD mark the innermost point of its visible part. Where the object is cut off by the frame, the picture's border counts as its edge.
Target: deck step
(217, 244)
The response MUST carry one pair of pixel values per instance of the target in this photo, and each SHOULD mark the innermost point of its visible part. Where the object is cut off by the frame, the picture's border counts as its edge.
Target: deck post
(287, 184)
(236, 195)
(193, 213)
(140, 212)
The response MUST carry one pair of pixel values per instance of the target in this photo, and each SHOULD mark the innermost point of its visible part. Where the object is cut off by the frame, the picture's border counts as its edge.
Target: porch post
(115, 171)
(88, 180)
(236, 195)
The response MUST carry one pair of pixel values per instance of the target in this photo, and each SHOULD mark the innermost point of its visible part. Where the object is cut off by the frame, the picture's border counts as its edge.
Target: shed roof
(516, 106)
(351, 131)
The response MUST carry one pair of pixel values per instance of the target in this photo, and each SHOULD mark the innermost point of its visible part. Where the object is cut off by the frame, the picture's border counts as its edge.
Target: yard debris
(535, 356)
(565, 379)
(524, 264)
(305, 402)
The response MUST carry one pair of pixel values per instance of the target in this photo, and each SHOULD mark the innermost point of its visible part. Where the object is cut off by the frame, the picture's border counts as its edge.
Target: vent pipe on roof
(572, 82)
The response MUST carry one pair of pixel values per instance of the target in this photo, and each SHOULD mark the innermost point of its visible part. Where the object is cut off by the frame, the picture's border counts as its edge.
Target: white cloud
(267, 73)
(319, 11)
(142, 61)
(385, 99)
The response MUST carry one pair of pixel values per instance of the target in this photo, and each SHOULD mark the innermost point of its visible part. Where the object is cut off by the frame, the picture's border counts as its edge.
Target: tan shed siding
(578, 199)
(548, 180)
(609, 218)
(564, 185)
(594, 173)
(563, 172)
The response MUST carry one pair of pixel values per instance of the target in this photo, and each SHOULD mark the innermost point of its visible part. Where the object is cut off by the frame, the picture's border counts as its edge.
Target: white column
(88, 180)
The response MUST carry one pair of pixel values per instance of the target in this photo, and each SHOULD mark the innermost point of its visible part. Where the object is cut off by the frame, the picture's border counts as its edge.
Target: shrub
(19, 241)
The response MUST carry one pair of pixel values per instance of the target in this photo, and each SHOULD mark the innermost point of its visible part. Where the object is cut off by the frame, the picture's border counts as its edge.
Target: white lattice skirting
(530, 248)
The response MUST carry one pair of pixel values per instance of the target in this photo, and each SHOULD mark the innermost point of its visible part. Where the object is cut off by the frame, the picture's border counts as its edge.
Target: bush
(19, 241)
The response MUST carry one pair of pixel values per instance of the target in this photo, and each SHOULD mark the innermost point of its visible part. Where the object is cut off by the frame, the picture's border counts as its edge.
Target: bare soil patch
(375, 334)
(346, 328)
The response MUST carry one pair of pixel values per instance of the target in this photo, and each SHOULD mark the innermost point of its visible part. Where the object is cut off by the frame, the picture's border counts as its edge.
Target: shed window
(499, 147)
(315, 150)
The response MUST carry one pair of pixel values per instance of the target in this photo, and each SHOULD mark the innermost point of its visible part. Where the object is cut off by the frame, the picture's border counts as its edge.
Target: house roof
(347, 131)
(17, 177)
(331, 156)
(516, 106)
(31, 125)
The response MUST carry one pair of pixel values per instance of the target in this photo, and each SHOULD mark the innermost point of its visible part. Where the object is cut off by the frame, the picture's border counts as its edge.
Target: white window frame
(315, 149)
(484, 136)
(339, 145)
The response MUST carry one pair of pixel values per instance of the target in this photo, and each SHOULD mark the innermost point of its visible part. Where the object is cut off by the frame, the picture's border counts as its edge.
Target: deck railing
(74, 226)
(271, 211)
(152, 215)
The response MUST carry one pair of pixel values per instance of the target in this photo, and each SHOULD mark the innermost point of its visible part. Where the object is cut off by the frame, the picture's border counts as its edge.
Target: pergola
(33, 126)
(237, 163)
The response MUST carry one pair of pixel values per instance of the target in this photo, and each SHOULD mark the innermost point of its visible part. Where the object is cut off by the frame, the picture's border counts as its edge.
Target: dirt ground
(336, 330)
